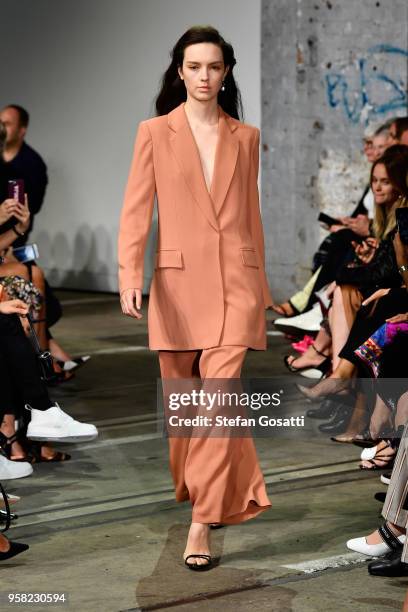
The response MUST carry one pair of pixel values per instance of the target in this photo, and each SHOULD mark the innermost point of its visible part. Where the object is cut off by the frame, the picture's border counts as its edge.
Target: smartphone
(28, 252)
(327, 220)
(16, 190)
(402, 223)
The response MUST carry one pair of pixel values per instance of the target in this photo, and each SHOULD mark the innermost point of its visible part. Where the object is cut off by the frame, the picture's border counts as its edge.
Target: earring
(223, 86)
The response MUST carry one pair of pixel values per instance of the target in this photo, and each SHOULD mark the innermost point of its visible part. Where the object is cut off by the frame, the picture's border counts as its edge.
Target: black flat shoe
(15, 549)
(199, 568)
(390, 566)
(327, 410)
(339, 423)
(380, 496)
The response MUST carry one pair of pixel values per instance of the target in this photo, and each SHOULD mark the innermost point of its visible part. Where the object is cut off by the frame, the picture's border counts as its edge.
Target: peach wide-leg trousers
(220, 476)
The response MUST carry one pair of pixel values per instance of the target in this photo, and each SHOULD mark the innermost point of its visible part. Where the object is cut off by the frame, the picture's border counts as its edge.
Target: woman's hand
(399, 318)
(360, 225)
(375, 296)
(7, 210)
(8, 256)
(14, 307)
(401, 251)
(336, 228)
(366, 249)
(131, 302)
(22, 213)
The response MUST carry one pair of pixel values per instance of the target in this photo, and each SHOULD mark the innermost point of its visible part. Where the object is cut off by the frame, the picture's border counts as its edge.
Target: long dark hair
(173, 91)
(395, 161)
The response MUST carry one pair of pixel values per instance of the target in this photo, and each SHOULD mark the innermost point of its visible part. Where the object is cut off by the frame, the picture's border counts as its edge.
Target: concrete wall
(88, 72)
(328, 69)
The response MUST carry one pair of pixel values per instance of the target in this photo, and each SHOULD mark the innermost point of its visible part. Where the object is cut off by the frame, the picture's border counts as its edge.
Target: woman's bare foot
(7, 428)
(375, 538)
(328, 386)
(311, 358)
(198, 543)
(384, 455)
(58, 352)
(4, 544)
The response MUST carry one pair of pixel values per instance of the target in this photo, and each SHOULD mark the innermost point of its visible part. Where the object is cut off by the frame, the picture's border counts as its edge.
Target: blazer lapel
(225, 160)
(186, 152)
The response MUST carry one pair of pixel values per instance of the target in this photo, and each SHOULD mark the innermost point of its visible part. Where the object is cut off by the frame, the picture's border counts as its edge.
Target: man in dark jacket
(22, 162)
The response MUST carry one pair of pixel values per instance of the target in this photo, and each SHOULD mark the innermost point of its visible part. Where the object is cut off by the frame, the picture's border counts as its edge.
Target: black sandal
(34, 455)
(322, 367)
(7, 441)
(199, 568)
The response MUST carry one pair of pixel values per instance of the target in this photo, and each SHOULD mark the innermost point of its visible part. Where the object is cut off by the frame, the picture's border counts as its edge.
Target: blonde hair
(384, 217)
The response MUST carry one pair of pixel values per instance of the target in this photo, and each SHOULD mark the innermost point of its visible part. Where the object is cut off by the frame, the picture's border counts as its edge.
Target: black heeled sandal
(199, 568)
(35, 455)
(323, 367)
(7, 441)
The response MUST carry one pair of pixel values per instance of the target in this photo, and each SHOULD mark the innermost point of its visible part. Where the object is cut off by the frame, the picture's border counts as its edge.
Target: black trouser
(20, 381)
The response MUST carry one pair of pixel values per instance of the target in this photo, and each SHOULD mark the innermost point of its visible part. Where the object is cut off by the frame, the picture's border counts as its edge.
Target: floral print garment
(20, 289)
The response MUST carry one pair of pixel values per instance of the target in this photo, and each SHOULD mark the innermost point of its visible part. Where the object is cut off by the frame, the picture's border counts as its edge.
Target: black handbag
(44, 358)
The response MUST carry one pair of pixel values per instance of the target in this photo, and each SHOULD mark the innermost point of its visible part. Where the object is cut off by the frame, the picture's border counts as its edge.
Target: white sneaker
(385, 478)
(14, 469)
(306, 322)
(56, 425)
(372, 550)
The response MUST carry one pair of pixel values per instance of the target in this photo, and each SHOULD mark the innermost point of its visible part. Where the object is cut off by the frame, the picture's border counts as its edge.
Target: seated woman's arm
(382, 271)
(13, 208)
(401, 255)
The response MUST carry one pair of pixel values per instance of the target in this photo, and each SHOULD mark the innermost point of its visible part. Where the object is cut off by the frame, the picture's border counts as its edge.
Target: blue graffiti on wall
(362, 103)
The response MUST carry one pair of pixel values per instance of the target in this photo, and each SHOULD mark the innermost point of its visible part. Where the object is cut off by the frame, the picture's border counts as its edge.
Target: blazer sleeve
(137, 212)
(255, 219)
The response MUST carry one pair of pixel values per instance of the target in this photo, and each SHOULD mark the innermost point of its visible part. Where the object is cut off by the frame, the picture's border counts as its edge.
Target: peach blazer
(209, 286)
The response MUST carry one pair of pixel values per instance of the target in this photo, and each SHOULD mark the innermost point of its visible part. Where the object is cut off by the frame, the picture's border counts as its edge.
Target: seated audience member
(389, 541)
(27, 281)
(374, 267)
(22, 386)
(335, 248)
(22, 162)
(399, 130)
(377, 346)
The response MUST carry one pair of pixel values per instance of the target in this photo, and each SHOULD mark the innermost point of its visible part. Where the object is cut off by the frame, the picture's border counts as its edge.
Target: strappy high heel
(314, 371)
(7, 441)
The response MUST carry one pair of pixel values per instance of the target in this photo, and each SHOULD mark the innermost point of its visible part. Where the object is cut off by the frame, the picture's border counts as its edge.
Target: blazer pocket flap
(169, 258)
(249, 258)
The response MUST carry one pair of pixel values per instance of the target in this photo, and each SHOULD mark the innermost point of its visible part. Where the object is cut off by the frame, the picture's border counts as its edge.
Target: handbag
(44, 358)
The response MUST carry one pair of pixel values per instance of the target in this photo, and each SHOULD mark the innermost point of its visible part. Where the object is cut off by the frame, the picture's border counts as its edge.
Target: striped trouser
(395, 509)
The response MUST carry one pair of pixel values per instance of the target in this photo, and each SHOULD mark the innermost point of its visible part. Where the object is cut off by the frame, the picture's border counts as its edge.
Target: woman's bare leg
(57, 351)
(380, 418)
(401, 415)
(338, 381)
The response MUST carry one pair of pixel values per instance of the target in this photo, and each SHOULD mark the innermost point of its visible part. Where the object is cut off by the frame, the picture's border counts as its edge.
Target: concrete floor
(105, 530)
